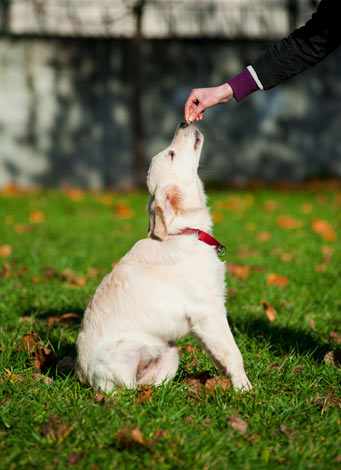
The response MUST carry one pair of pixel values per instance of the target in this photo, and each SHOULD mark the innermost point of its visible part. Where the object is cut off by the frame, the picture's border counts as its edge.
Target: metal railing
(161, 18)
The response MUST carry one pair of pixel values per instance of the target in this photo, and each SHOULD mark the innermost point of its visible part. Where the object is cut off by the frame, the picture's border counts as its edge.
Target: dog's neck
(198, 218)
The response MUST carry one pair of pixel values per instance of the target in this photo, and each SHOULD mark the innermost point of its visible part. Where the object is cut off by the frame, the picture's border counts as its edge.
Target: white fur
(164, 288)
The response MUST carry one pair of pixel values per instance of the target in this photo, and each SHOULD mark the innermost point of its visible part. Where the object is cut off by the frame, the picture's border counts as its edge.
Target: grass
(292, 414)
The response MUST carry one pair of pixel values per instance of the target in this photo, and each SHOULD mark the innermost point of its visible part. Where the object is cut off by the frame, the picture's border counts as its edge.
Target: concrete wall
(65, 115)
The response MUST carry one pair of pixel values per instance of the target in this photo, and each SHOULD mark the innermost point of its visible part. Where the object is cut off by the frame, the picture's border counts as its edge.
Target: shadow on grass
(284, 339)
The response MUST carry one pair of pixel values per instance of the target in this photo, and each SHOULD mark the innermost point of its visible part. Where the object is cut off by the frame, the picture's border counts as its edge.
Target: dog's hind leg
(161, 369)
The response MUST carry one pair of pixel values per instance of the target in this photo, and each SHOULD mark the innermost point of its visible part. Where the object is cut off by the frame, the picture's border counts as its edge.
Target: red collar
(204, 237)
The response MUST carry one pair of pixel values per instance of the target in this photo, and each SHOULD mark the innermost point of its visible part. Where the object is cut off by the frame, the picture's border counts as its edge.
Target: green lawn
(48, 242)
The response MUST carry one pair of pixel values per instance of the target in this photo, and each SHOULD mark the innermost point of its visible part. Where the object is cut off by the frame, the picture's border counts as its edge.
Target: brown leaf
(327, 252)
(68, 318)
(68, 274)
(6, 270)
(93, 272)
(123, 210)
(290, 433)
(145, 393)
(333, 358)
(159, 434)
(269, 311)
(237, 423)
(36, 279)
(5, 251)
(270, 205)
(56, 428)
(264, 236)
(218, 382)
(324, 228)
(76, 194)
(241, 272)
(129, 436)
(22, 228)
(232, 292)
(40, 357)
(277, 280)
(25, 319)
(321, 268)
(72, 459)
(193, 363)
(306, 208)
(36, 217)
(47, 380)
(217, 216)
(296, 369)
(77, 282)
(335, 337)
(312, 325)
(288, 223)
(244, 252)
(50, 272)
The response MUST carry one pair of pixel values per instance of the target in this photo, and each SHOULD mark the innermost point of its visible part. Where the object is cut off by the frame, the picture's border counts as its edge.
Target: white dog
(167, 286)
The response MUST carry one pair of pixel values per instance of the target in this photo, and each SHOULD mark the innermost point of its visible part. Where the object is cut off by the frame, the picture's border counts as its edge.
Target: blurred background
(90, 91)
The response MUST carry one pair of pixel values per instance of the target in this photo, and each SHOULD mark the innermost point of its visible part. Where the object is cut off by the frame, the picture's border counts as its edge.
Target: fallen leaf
(324, 228)
(290, 433)
(22, 228)
(270, 205)
(145, 393)
(25, 319)
(36, 217)
(76, 194)
(335, 337)
(218, 382)
(193, 363)
(264, 236)
(330, 400)
(296, 369)
(5, 251)
(77, 282)
(327, 252)
(47, 380)
(237, 423)
(50, 272)
(36, 279)
(333, 358)
(269, 311)
(129, 436)
(217, 216)
(65, 319)
(232, 292)
(312, 325)
(72, 459)
(321, 268)
(286, 257)
(159, 434)
(6, 270)
(288, 223)
(306, 208)
(277, 280)
(6, 401)
(123, 210)
(93, 272)
(41, 357)
(68, 274)
(244, 252)
(56, 428)
(195, 383)
(241, 272)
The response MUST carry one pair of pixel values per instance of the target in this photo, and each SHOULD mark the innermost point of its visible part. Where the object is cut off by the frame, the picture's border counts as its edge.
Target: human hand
(203, 98)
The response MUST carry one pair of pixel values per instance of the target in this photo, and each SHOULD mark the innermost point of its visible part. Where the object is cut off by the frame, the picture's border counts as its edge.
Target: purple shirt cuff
(242, 85)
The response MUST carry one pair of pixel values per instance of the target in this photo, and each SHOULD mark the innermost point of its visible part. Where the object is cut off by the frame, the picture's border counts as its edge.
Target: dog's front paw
(241, 383)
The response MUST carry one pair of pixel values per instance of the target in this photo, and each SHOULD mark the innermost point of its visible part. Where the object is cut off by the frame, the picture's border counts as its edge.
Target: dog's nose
(183, 124)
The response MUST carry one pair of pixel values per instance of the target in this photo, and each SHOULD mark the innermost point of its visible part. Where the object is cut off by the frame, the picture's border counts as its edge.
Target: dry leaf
(76, 194)
(193, 363)
(333, 358)
(244, 252)
(68, 274)
(270, 205)
(36, 279)
(93, 272)
(41, 358)
(264, 236)
(335, 337)
(269, 311)
(286, 257)
(324, 228)
(321, 268)
(312, 325)
(327, 252)
(306, 208)
(72, 459)
(232, 292)
(217, 216)
(288, 223)
(277, 280)
(47, 380)
(50, 272)
(22, 228)
(296, 369)
(129, 436)
(145, 393)
(5, 251)
(241, 272)
(237, 423)
(159, 434)
(218, 382)
(36, 217)
(123, 210)
(56, 428)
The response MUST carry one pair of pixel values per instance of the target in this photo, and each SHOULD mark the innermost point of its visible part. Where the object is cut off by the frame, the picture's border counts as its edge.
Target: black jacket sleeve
(304, 48)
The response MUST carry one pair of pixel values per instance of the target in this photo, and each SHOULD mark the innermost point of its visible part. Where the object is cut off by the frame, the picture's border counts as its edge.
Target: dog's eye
(171, 153)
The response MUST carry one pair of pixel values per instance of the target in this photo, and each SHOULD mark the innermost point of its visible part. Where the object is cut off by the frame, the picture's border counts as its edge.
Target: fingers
(190, 106)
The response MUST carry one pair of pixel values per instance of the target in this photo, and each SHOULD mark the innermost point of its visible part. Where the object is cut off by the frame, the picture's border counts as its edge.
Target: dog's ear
(163, 207)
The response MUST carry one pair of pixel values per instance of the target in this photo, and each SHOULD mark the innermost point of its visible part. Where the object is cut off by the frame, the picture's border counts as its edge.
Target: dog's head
(173, 181)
